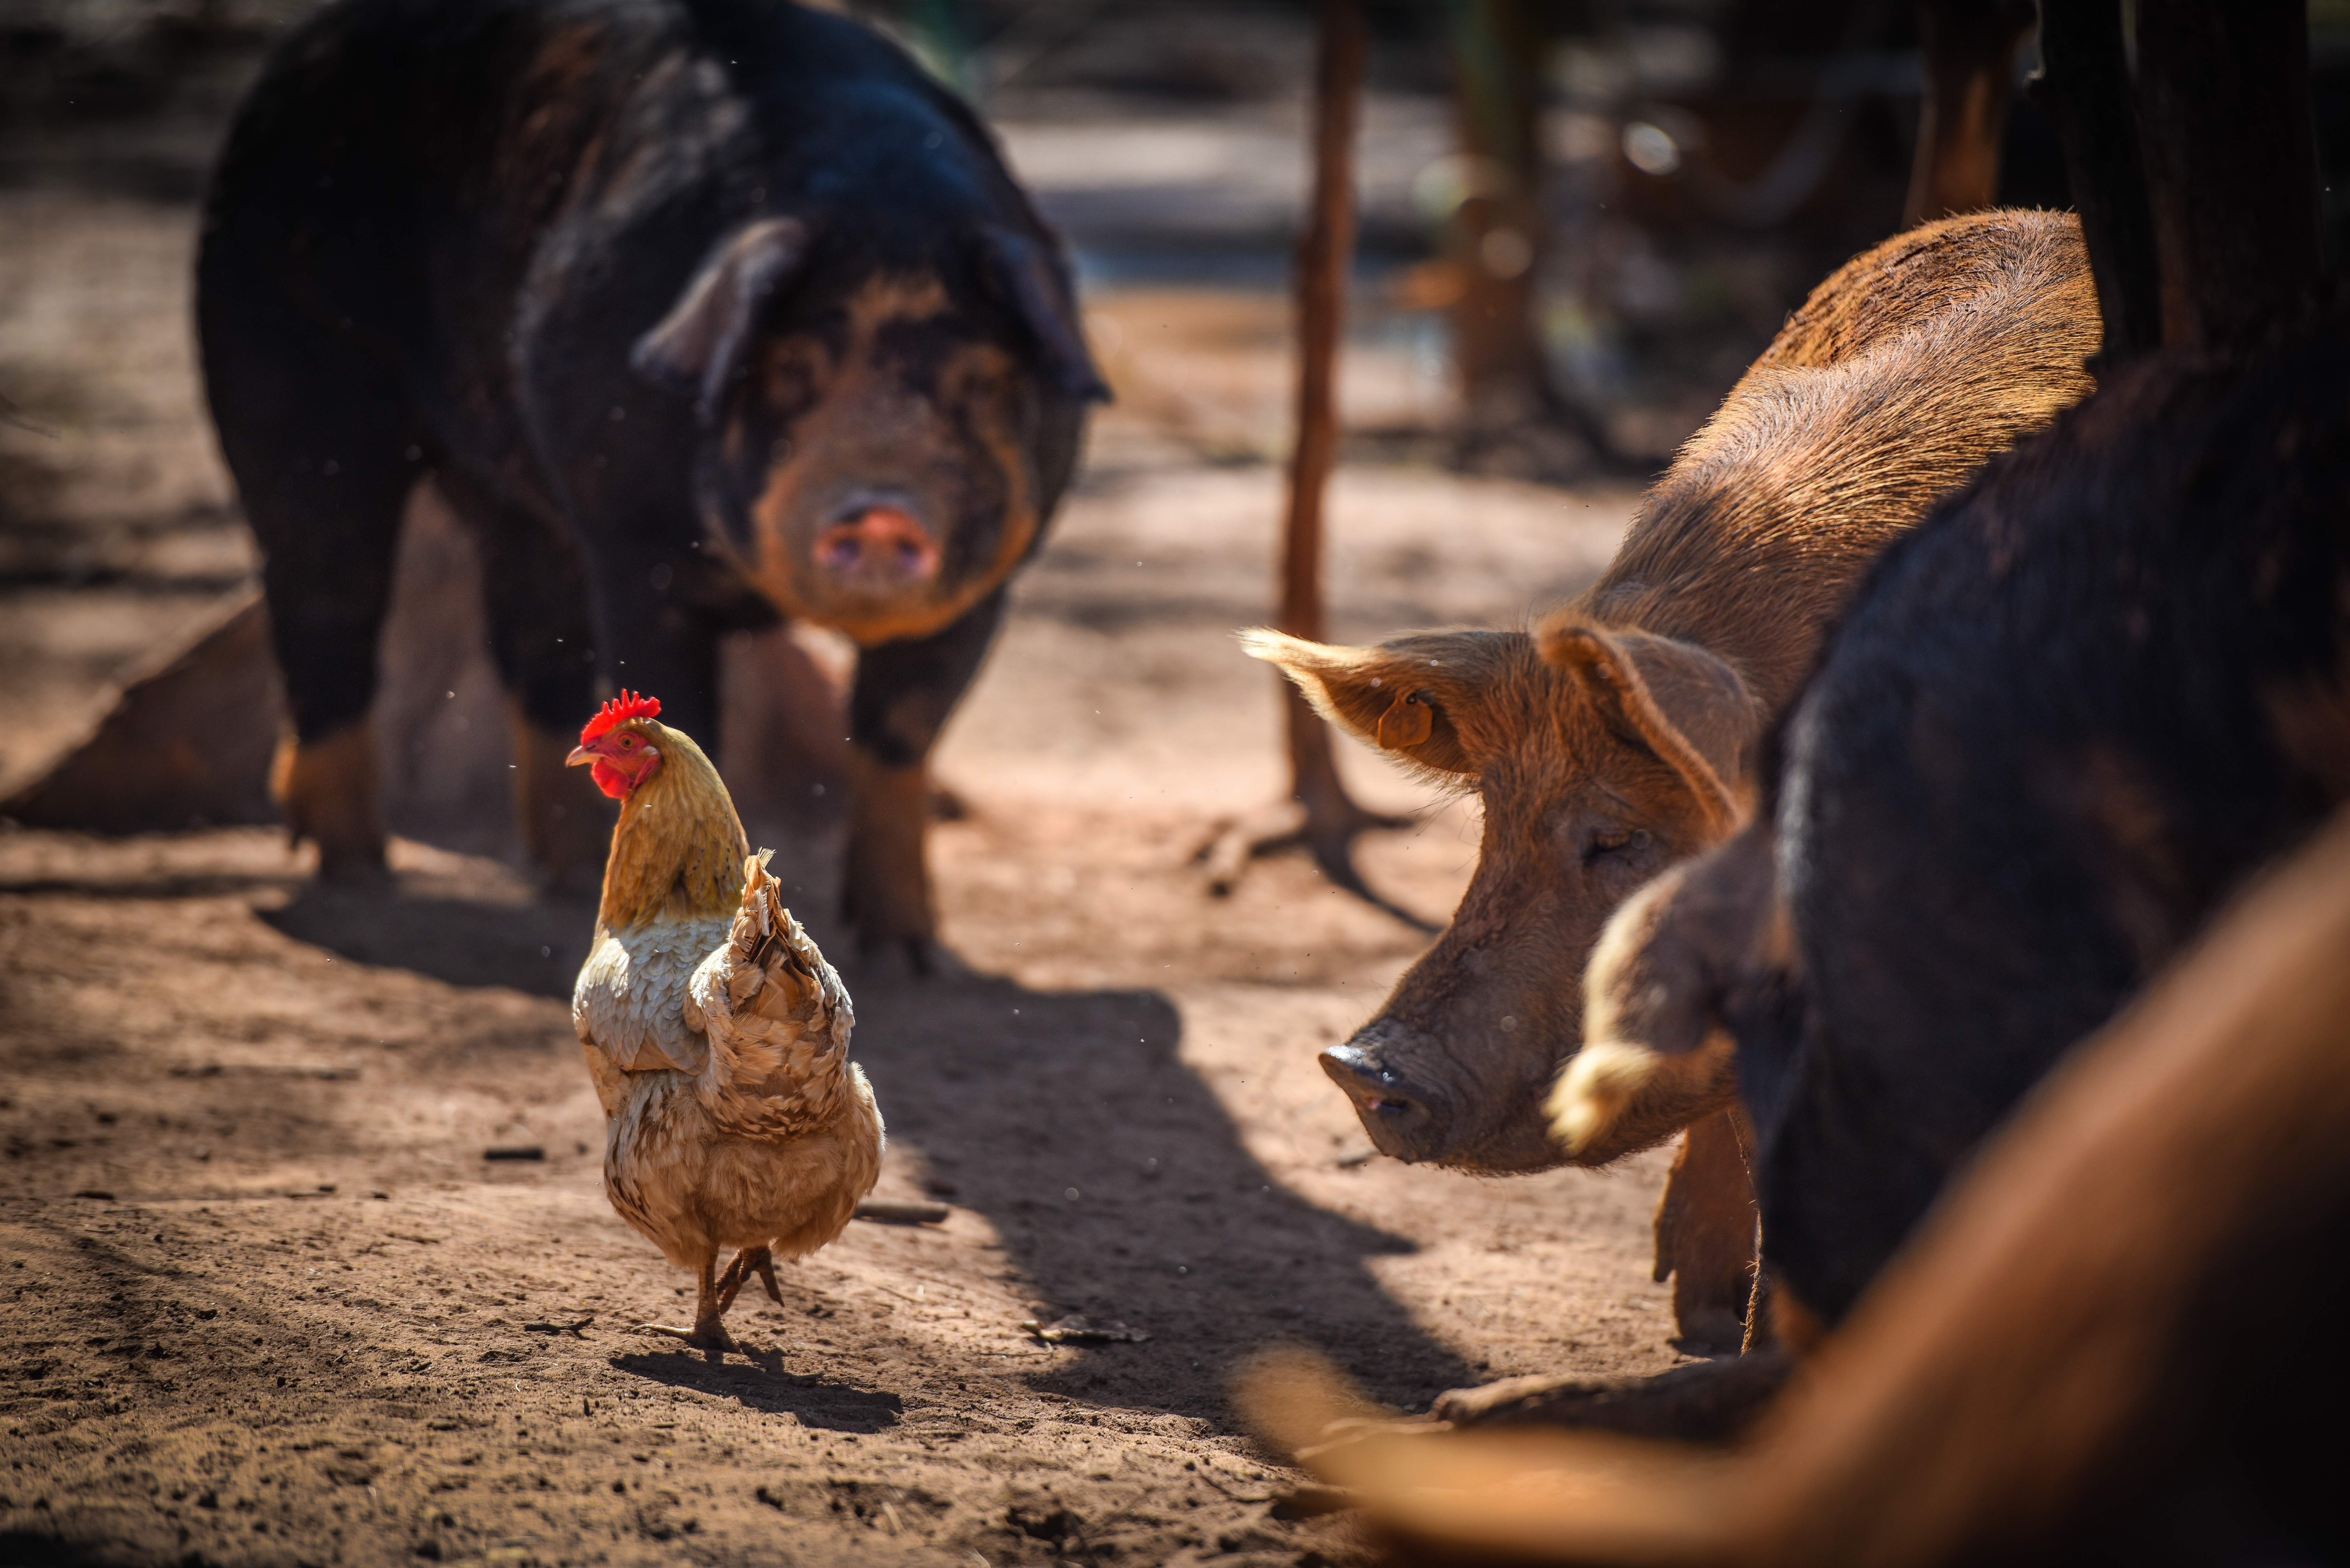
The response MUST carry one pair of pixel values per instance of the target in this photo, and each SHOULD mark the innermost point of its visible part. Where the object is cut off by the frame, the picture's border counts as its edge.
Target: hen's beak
(580, 756)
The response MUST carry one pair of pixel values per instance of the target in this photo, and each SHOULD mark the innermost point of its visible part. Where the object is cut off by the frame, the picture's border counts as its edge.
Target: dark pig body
(2060, 1370)
(2062, 725)
(700, 312)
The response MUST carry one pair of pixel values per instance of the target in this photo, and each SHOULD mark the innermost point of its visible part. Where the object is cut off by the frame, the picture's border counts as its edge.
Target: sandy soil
(265, 1298)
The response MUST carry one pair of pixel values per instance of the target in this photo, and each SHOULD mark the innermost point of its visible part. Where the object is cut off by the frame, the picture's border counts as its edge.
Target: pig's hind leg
(317, 434)
(1706, 1235)
(542, 638)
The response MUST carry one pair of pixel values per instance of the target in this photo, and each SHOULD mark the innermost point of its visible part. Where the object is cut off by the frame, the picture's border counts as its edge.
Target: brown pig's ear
(704, 338)
(1673, 698)
(1376, 694)
(1033, 281)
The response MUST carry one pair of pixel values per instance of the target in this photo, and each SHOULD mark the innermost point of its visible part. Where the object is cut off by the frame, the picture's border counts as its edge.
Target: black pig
(699, 312)
(2063, 724)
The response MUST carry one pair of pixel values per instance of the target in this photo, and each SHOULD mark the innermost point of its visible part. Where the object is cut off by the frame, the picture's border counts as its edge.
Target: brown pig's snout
(1404, 1120)
(878, 543)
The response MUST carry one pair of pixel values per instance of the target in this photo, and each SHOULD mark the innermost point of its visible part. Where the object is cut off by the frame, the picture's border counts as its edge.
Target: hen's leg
(750, 1261)
(708, 1333)
(738, 1273)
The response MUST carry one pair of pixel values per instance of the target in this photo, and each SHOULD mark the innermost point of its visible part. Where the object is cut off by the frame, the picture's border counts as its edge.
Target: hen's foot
(710, 1339)
(888, 960)
(709, 1333)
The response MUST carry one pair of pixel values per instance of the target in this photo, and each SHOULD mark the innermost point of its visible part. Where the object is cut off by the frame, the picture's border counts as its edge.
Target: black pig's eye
(792, 373)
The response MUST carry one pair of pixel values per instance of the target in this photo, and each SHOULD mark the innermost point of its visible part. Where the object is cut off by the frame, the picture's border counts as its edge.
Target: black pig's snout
(1403, 1119)
(878, 544)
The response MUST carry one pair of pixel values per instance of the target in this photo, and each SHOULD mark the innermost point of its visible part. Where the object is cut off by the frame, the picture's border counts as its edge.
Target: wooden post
(1498, 236)
(1324, 256)
(2084, 86)
(1969, 53)
(2231, 158)
(1498, 228)
(1329, 821)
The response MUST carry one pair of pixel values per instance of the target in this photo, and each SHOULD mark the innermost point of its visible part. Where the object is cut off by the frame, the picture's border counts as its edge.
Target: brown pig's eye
(1615, 842)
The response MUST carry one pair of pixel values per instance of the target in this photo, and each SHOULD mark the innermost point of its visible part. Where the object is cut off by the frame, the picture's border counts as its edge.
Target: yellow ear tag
(1408, 721)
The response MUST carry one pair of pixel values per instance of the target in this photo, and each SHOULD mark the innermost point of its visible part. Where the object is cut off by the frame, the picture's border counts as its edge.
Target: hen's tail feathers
(778, 1022)
(779, 972)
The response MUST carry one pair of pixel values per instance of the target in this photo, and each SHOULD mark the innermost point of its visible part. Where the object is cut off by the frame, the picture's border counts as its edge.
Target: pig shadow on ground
(1121, 1191)
(34, 1549)
(813, 1401)
(161, 885)
(535, 947)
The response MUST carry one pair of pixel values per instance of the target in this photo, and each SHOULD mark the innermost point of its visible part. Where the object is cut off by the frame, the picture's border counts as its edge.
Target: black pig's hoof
(327, 789)
(359, 871)
(905, 959)
(1710, 1402)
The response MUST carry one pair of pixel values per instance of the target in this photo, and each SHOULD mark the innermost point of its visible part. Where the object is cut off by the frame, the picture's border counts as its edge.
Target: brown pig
(1622, 740)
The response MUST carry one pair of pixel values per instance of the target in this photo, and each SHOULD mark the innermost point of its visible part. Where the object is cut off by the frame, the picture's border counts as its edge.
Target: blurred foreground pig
(2065, 1368)
(2062, 726)
(1633, 746)
(699, 313)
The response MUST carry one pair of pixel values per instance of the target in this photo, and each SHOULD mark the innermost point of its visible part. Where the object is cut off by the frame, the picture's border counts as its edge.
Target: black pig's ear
(700, 343)
(1031, 280)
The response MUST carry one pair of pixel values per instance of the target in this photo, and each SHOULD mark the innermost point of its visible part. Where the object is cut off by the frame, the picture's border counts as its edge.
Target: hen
(716, 1033)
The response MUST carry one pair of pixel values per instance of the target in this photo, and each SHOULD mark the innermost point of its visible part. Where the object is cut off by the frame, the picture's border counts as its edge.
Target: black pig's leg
(659, 635)
(902, 695)
(317, 433)
(534, 591)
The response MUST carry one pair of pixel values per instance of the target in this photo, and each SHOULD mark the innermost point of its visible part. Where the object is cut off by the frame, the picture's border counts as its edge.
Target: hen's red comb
(619, 710)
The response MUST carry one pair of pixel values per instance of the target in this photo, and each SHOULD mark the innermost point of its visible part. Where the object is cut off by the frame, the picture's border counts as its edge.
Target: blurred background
(1579, 221)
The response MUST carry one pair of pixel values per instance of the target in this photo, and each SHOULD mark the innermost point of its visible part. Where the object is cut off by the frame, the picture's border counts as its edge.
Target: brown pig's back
(1903, 372)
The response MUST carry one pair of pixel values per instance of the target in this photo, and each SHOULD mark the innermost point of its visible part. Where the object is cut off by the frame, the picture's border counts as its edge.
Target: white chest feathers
(629, 1002)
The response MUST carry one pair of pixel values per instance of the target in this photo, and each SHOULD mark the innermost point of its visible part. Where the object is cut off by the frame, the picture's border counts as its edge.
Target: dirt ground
(268, 1296)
